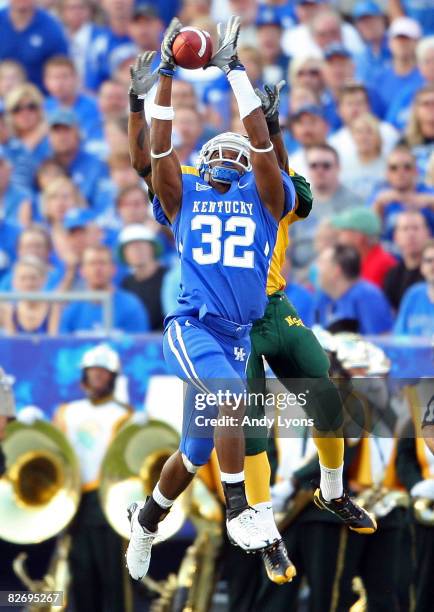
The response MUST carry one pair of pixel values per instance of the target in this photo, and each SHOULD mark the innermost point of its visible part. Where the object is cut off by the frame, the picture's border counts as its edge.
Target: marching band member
(96, 556)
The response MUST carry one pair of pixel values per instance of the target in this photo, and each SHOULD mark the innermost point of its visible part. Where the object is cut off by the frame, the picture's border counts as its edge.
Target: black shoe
(279, 567)
(354, 516)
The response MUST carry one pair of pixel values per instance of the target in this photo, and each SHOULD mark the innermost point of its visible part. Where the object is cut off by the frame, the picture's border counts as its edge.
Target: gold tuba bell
(131, 469)
(380, 501)
(40, 490)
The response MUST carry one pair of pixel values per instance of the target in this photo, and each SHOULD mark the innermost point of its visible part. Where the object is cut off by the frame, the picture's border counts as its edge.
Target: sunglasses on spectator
(309, 72)
(31, 106)
(395, 167)
(325, 165)
(428, 260)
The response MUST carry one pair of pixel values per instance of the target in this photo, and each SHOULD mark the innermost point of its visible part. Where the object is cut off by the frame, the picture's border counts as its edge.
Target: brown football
(192, 48)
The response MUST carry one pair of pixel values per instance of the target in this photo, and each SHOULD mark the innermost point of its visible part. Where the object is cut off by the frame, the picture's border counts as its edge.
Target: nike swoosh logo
(243, 186)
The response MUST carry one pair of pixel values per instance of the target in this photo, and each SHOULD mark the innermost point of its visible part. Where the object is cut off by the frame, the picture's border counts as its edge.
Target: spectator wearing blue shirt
(402, 191)
(62, 83)
(399, 112)
(344, 295)
(370, 22)
(401, 72)
(116, 33)
(85, 169)
(35, 241)
(420, 10)
(81, 31)
(28, 144)
(269, 32)
(420, 131)
(98, 270)
(14, 201)
(416, 312)
(30, 36)
(9, 233)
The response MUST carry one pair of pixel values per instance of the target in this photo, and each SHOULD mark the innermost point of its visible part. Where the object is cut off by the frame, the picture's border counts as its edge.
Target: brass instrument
(40, 490)
(380, 501)
(131, 469)
(39, 495)
(57, 577)
(423, 509)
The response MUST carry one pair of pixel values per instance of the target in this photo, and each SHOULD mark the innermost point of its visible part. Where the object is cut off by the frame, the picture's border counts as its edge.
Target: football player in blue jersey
(224, 217)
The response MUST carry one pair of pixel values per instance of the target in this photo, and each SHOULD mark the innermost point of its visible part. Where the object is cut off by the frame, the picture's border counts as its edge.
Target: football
(192, 48)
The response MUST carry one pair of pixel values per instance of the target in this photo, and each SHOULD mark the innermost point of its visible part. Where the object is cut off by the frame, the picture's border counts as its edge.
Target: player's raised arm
(270, 100)
(264, 161)
(142, 81)
(166, 169)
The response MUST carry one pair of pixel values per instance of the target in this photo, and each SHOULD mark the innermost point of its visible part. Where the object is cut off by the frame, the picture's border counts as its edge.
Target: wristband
(165, 113)
(244, 93)
(166, 70)
(164, 154)
(267, 150)
(273, 125)
(136, 103)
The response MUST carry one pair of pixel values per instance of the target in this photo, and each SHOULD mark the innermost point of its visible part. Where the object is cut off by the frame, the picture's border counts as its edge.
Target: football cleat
(138, 553)
(244, 531)
(350, 513)
(278, 565)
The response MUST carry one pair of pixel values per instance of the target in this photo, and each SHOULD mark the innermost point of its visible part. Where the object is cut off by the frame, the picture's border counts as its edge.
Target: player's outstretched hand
(270, 99)
(226, 56)
(142, 77)
(167, 65)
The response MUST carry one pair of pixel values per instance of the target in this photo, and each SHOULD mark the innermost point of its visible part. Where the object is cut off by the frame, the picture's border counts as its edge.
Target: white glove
(424, 488)
(280, 493)
(30, 414)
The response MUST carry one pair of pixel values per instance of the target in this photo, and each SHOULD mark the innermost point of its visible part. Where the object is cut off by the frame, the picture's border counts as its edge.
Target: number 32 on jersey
(226, 247)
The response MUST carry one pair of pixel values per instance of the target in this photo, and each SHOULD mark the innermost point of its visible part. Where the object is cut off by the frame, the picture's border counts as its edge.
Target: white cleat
(138, 553)
(245, 531)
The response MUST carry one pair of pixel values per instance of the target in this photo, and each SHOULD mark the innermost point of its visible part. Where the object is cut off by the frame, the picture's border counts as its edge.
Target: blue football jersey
(225, 242)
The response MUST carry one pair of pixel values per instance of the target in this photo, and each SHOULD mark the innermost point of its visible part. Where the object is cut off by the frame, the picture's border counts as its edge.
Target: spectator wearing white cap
(139, 249)
(399, 111)
(420, 10)
(402, 71)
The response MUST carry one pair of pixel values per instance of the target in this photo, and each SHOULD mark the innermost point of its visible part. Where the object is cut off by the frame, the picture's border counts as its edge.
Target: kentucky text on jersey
(226, 206)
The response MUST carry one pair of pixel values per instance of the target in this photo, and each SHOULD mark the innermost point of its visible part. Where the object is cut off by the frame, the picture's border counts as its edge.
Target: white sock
(160, 499)
(331, 482)
(232, 478)
(266, 511)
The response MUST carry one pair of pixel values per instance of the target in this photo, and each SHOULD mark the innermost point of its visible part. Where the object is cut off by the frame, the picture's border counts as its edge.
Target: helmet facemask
(220, 168)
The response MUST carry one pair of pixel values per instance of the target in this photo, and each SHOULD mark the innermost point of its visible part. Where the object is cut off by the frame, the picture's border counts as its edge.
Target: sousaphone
(40, 490)
(130, 470)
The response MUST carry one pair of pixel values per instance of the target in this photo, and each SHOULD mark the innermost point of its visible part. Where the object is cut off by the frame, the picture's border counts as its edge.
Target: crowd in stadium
(358, 113)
